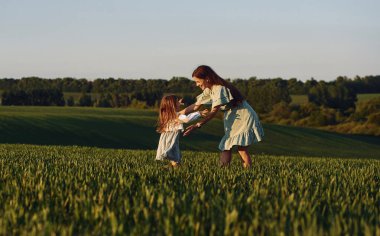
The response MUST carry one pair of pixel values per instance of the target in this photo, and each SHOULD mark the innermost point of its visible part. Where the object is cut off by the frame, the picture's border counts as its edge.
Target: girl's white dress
(168, 146)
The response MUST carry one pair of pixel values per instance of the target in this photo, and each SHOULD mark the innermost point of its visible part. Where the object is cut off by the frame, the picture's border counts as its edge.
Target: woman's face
(201, 83)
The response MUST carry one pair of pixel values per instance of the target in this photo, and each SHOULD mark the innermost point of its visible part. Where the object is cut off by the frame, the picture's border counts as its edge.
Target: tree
(180, 85)
(70, 101)
(336, 95)
(34, 97)
(85, 100)
(15, 97)
(296, 87)
(103, 101)
(264, 94)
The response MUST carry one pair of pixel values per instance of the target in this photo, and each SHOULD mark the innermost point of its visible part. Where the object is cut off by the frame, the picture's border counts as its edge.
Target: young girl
(170, 125)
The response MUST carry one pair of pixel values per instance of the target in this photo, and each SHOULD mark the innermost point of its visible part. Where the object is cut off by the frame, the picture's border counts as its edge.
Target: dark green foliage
(367, 84)
(374, 118)
(33, 97)
(104, 100)
(366, 108)
(322, 117)
(85, 100)
(74, 85)
(263, 95)
(338, 96)
(149, 97)
(308, 114)
(180, 85)
(31, 83)
(89, 191)
(70, 101)
(8, 84)
(310, 84)
(296, 87)
(14, 97)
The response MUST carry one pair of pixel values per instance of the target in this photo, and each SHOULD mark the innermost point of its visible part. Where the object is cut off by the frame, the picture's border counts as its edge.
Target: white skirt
(168, 146)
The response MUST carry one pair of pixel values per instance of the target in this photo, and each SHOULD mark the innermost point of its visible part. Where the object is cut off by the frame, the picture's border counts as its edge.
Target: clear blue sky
(160, 39)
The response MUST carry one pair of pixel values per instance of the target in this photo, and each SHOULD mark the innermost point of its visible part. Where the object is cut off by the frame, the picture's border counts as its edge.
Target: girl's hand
(204, 112)
(181, 102)
(189, 129)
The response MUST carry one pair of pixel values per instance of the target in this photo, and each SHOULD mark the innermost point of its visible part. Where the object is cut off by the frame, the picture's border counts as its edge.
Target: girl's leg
(174, 164)
(246, 158)
(225, 158)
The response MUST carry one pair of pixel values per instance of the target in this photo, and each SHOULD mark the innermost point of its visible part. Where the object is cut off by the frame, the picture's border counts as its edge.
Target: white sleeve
(193, 116)
(190, 117)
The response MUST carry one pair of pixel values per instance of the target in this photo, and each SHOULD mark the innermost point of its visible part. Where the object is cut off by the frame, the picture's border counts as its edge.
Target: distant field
(55, 190)
(299, 99)
(367, 96)
(302, 99)
(135, 129)
(77, 95)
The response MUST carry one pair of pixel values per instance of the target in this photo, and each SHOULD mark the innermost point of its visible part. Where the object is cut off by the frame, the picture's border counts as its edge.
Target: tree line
(329, 103)
(263, 94)
(367, 84)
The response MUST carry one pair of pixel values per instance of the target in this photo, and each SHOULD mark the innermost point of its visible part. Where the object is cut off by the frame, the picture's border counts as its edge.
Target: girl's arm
(202, 122)
(190, 117)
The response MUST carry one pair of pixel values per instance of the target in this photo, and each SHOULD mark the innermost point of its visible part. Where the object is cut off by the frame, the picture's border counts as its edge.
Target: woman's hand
(190, 129)
(189, 109)
(209, 116)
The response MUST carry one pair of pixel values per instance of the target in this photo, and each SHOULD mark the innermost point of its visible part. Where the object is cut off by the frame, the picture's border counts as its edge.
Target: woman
(241, 123)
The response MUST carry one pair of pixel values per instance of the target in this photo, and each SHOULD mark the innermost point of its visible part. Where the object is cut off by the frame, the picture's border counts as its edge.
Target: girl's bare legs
(225, 158)
(246, 158)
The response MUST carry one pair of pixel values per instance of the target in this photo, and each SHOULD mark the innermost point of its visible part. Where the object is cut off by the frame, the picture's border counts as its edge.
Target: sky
(160, 39)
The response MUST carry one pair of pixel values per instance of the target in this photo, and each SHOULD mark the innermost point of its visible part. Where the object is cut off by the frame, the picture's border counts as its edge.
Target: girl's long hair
(206, 73)
(167, 113)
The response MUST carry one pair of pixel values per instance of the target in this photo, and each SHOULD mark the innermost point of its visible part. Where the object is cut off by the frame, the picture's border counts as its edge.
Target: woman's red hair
(206, 73)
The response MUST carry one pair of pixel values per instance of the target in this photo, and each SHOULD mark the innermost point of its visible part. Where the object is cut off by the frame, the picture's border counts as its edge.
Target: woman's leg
(246, 158)
(225, 158)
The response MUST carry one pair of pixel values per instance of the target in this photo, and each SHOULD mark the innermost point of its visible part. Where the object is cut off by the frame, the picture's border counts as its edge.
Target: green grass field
(55, 190)
(134, 129)
(367, 96)
(302, 99)
(299, 99)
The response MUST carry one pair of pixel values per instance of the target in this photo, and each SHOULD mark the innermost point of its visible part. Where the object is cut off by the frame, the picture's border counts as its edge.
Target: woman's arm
(202, 122)
(189, 109)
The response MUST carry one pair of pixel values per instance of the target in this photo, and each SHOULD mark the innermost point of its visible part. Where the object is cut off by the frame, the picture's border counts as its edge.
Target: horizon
(189, 78)
(105, 78)
(154, 40)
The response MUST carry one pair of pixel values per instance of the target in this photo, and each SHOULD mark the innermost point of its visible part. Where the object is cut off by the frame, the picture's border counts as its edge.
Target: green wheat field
(82, 190)
(87, 171)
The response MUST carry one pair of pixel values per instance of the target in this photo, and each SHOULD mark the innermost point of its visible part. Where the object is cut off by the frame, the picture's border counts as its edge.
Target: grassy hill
(134, 129)
(362, 97)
